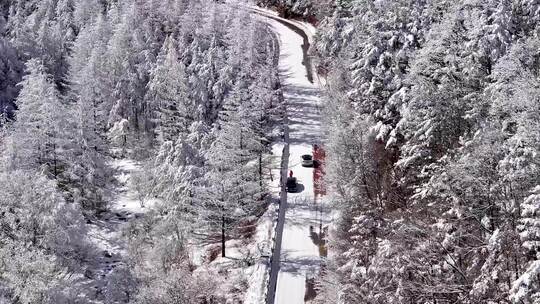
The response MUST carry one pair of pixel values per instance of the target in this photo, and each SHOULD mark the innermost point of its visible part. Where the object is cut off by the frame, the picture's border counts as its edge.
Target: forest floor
(244, 270)
(106, 230)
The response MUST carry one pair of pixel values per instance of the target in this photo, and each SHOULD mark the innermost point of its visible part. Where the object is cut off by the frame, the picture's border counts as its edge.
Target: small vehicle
(291, 184)
(307, 161)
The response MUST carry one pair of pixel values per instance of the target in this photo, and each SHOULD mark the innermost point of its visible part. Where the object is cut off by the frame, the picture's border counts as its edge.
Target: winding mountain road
(300, 230)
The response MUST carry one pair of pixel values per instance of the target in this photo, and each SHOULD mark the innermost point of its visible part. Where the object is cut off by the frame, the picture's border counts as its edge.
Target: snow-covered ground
(244, 271)
(105, 232)
(305, 219)
(265, 233)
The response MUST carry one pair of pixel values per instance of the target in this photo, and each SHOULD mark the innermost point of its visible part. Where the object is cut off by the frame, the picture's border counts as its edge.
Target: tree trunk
(55, 162)
(260, 172)
(223, 236)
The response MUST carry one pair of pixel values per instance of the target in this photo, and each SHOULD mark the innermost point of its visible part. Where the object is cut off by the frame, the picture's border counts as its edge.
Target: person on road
(290, 173)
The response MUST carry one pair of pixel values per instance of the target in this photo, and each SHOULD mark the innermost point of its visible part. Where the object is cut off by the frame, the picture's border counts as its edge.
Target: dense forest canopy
(434, 117)
(432, 137)
(187, 88)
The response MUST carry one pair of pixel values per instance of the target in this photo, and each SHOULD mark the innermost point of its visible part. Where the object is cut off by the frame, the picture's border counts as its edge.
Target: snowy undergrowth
(244, 271)
(107, 229)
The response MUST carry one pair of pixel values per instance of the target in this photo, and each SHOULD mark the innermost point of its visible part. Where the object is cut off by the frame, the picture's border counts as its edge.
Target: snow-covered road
(301, 250)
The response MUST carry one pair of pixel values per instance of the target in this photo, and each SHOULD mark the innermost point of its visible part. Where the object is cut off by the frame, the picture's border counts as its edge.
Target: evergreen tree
(41, 241)
(168, 95)
(229, 191)
(90, 95)
(39, 137)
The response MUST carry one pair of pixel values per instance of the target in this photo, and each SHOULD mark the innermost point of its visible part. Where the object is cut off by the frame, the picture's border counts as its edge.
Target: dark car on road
(292, 185)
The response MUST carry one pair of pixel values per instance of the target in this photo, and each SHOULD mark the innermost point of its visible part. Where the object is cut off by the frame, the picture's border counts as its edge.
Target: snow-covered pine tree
(130, 56)
(90, 96)
(11, 71)
(86, 12)
(48, 34)
(530, 224)
(526, 289)
(168, 95)
(175, 171)
(39, 133)
(41, 242)
(230, 193)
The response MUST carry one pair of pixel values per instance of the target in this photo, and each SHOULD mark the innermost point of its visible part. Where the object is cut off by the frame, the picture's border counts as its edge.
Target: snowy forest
(140, 150)
(187, 88)
(433, 137)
